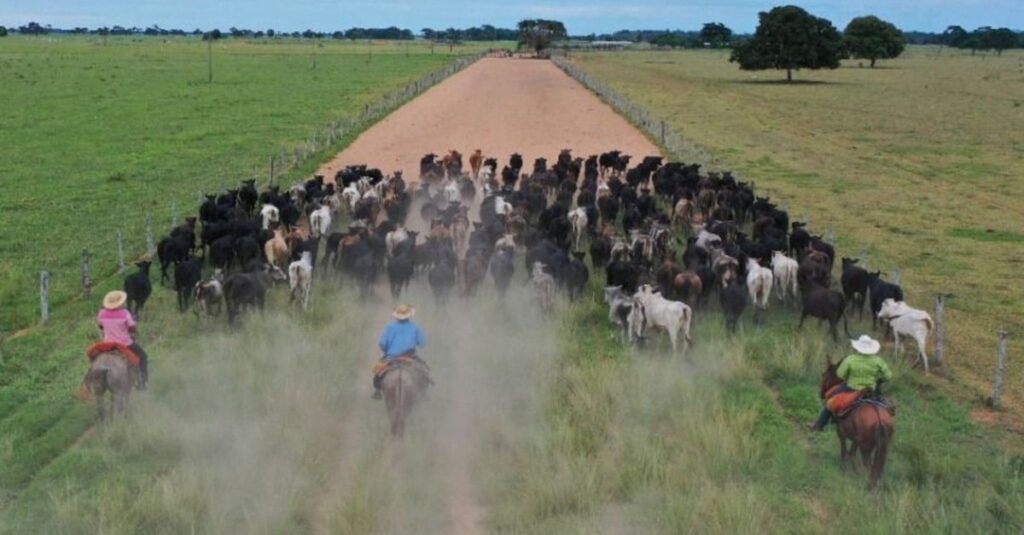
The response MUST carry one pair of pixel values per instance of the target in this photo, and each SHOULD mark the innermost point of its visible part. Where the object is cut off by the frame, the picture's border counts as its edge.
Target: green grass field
(242, 431)
(917, 162)
(98, 137)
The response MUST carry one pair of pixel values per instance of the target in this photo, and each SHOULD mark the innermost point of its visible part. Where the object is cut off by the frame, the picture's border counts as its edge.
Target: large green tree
(790, 38)
(539, 34)
(3, 31)
(1000, 39)
(955, 36)
(872, 38)
(716, 34)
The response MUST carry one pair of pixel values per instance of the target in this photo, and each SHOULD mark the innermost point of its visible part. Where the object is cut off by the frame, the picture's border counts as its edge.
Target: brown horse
(403, 385)
(868, 426)
(109, 372)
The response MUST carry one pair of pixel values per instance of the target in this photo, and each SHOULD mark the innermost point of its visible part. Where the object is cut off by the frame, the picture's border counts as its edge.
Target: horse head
(829, 377)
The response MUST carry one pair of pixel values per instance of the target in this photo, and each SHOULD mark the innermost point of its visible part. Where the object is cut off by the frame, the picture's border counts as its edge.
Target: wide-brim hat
(114, 300)
(866, 345)
(403, 312)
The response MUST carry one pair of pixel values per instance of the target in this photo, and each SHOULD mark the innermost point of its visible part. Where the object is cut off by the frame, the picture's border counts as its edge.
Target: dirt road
(500, 106)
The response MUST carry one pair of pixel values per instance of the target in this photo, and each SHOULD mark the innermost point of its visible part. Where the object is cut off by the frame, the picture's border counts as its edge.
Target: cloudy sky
(580, 16)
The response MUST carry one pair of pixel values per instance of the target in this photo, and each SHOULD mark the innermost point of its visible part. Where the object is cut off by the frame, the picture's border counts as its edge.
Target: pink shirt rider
(117, 325)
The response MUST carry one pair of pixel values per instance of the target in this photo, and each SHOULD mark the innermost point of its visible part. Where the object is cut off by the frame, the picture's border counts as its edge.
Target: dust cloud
(272, 427)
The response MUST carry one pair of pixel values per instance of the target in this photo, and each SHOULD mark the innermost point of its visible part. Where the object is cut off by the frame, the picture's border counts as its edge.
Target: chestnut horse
(868, 426)
(403, 385)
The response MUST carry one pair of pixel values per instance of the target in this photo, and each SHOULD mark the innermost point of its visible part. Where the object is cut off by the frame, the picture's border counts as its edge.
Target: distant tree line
(983, 38)
(712, 34)
(484, 32)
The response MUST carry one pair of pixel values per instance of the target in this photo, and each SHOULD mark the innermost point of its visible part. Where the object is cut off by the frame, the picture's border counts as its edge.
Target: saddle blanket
(126, 352)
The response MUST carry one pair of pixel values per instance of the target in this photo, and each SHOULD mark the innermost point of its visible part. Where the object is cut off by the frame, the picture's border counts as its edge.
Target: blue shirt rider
(400, 337)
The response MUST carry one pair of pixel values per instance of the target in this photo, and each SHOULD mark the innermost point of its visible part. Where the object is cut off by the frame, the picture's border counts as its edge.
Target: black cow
(733, 299)
(823, 303)
(138, 287)
(186, 275)
(855, 284)
(245, 290)
(880, 291)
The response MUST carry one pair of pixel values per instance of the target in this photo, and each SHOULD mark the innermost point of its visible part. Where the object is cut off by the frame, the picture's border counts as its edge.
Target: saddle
(408, 360)
(841, 404)
(126, 352)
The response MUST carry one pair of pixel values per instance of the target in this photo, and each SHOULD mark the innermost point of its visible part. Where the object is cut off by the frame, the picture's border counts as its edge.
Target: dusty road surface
(501, 106)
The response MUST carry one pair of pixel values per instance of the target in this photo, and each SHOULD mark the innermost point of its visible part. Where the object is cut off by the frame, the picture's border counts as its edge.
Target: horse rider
(861, 372)
(119, 327)
(400, 338)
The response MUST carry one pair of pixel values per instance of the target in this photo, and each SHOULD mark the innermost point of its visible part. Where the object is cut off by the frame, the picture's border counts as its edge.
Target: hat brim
(115, 300)
(404, 316)
(866, 347)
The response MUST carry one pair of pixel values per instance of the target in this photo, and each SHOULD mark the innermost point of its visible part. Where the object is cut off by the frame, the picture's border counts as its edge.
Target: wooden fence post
(270, 180)
(663, 132)
(895, 276)
(863, 258)
(997, 389)
(44, 296)
(120, 252)
(940, 329)
(150, 245)
(86, 274)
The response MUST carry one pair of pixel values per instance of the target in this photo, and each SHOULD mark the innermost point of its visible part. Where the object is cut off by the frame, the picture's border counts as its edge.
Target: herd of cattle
(670, 239)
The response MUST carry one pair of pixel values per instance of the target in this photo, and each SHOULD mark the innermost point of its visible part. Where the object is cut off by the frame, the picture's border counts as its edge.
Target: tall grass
(714, 443)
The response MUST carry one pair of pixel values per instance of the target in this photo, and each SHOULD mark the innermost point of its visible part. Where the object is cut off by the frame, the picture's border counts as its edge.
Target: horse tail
(882, 439)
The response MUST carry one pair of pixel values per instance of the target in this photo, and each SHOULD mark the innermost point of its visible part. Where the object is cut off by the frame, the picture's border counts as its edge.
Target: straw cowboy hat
(866, 345)
(114, 300)
(403, 312)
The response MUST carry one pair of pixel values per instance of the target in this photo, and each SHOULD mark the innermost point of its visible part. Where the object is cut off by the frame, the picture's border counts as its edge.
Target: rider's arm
(420, 339)
(884, 372)
(844, 369)
(383, 342)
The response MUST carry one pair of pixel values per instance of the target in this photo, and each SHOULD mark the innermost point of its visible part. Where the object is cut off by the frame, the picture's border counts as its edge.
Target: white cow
(501, 207)
(759, 284)
(543, 285)
(709, 241)
(486, 173)
(451, 192)
(508, 241)
(785, 269)
(578, 220)
(300, 278)
(393, 238)
(620, 309)
(651, 309)
(351, 196)
(320, 222)
(908, 321)
(270, 214)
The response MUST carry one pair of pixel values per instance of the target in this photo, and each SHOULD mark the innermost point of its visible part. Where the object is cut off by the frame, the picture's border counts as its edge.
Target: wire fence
(105, 256)
(656, 128)
(688, 152)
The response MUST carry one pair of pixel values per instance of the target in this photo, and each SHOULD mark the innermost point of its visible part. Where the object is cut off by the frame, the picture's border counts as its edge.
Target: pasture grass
(98, 136)
(917, 164)
(713, 442)
(101, 135)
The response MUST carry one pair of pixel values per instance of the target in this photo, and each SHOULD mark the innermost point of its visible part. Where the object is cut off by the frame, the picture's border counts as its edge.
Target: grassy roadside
(914, 163)
(714, 444)
(41, 366)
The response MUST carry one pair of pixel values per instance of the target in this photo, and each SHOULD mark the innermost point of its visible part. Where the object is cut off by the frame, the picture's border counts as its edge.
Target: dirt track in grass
(500, 106)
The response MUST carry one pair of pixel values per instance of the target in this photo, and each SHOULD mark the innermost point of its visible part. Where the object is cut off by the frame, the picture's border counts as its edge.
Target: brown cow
(475, 161)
